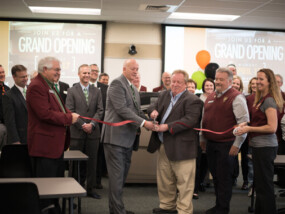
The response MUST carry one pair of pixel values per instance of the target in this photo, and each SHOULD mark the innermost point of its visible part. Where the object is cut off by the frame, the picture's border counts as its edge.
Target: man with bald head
(165, 78)
(123, 103)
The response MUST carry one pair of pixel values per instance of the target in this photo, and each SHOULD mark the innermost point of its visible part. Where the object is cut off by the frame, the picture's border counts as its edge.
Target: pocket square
(51, 91)
(65, 92)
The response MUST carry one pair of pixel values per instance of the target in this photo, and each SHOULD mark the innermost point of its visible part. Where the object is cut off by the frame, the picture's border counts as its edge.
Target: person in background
(15, 108)
(279, 80)
(165, 78)
(101, 162)
(85, 99)
(252, 87)
(221, 149)
(191, 86)
(208, 87)
(237, 83)
(104, 78)
(137, 83)
(61, 88)
(263, 125)
(3, 88)
(232, 68)
(123, 103)
(48, 124)
(176, 144)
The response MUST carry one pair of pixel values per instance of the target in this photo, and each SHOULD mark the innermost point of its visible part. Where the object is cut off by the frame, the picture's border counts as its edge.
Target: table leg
(63, 205)
(78, 174)
(71, 205)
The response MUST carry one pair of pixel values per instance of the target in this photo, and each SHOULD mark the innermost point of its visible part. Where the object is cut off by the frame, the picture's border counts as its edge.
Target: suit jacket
(158, 89)
(48, 131)
(180, 142)
(15, 115)
(103, 88)
(143, 88)
(76, 102)
(120, 106)
(6, 88)
(63, 87)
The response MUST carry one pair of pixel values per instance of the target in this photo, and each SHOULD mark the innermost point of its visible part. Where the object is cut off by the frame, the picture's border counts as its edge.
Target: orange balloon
(203, 58)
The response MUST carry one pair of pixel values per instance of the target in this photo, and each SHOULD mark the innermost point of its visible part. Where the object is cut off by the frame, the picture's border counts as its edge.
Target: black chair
(15, 161)
(280, 171)
(20, 198)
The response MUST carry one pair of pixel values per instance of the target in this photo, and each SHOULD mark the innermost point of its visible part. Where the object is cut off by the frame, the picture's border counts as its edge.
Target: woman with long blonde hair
(263, 140)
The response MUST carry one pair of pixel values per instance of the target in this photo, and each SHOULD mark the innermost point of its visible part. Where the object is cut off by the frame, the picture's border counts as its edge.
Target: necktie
(56, 87)
(24, 92)
(85, 94)
(3, 88)
(134, 97)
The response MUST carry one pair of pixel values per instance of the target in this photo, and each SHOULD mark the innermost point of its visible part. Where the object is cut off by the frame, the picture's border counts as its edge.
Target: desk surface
(75, 155)
(53, 187)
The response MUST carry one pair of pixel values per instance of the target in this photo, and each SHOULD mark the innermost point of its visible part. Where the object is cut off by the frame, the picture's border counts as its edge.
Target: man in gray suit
(178, 111)
(86, 100)
(123, 103)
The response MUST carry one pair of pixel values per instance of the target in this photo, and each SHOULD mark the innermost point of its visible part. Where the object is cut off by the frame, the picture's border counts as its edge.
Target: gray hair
(46, 62)
(227, 71)
(278, 75)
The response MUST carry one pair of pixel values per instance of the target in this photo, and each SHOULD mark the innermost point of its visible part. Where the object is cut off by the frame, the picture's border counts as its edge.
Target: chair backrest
(19, 198)
(17, 158)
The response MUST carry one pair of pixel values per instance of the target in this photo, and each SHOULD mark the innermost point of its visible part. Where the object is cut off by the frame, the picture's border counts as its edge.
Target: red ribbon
(171, 131)
(204, 130)
(108, 123)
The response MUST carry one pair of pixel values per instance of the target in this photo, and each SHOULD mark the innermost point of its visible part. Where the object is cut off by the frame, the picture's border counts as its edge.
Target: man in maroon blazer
(165, 78)
(137, 83)
(48, 123)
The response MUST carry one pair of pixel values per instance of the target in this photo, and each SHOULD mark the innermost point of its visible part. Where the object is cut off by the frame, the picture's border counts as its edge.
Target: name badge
(51, 91)
(65, 92)
(211, 101)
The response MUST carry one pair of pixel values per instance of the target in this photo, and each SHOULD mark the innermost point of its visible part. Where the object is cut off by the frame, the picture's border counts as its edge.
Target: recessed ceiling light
(203, 16)
(66, 10)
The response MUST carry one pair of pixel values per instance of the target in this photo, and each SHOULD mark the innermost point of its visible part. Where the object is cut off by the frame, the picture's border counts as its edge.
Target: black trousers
(244, 161)
(47, 167)
(221, 166)
(263, 167)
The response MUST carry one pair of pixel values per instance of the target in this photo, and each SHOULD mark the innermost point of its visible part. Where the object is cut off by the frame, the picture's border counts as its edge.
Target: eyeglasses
(96, 71)
(56, 69)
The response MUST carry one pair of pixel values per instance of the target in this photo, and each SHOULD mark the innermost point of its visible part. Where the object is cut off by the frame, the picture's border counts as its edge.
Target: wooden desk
(54, 187)
(74, 155)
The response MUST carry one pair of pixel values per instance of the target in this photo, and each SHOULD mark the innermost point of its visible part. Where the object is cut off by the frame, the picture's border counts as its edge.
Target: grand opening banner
(72, 43)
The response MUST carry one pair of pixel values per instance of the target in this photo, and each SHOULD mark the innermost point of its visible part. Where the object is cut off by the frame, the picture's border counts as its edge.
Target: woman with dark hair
(262, 138)
(208, 87)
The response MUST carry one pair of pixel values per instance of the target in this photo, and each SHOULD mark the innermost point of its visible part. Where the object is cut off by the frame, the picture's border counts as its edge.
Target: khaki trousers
(175, 182)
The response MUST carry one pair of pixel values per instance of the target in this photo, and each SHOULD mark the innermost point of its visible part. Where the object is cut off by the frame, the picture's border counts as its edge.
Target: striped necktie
(24, 92)
(85, 94)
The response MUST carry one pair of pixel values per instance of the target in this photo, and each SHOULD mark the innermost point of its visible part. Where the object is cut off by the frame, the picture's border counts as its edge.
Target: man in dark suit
(165, 78)
(123, 103)
(86, 100)
(15, 108)
(101, 162)
(3, 88)
(48, 124)
(104, 78)
(178, 111)
(61, 88)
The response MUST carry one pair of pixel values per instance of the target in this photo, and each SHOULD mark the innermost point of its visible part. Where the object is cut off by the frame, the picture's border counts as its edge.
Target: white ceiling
(253, 13)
